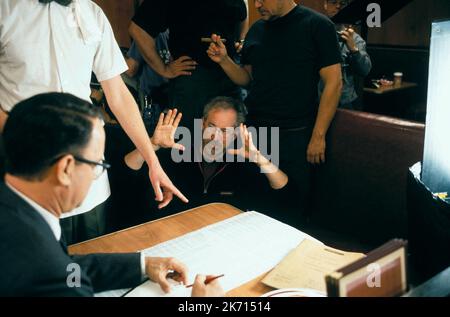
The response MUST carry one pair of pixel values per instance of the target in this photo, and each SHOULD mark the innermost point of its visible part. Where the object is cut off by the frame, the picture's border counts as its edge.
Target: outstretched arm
(276, 177)
(126, 111)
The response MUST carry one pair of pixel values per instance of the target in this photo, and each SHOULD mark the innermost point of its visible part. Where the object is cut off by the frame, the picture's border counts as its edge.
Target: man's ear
(64, 168)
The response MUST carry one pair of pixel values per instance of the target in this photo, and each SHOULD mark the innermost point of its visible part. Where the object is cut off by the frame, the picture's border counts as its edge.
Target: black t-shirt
(189, 21)
(286, 56)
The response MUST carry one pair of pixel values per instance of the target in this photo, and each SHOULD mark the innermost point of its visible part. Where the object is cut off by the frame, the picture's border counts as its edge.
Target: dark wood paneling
(411, 26)
(119, 13)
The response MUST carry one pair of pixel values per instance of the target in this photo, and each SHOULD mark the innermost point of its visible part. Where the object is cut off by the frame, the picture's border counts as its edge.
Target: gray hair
(226, 103)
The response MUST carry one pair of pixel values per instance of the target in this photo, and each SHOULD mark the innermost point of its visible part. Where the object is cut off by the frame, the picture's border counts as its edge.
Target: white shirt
(50, 47)
(53, 221)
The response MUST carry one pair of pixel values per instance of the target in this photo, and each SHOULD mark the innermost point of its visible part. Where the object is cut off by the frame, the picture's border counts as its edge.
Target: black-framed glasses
(99, 167)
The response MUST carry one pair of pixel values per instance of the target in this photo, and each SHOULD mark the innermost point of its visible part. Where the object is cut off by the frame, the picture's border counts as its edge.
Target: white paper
(242, 248)
(114, 293)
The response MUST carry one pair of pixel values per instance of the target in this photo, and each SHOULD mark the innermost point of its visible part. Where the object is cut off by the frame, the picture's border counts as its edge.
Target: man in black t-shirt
(194, 78)
(284, 56)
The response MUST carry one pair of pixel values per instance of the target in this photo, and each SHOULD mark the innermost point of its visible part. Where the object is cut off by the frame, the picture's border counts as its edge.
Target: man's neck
(37, 191)
(288, 8)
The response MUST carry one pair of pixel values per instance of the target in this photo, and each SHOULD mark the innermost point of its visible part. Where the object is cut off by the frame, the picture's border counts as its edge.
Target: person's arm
(332, 79)
(133, 66)
(359, 59)
(276, 177)
(243, 27)
(164, 134)
(111, 271)
(3, 117)
(245, 24)
(125, 109)
(217, 52)
(147, 46)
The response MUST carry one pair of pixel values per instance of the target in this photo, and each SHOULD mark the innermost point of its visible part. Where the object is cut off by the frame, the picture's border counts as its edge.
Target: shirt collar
(51, 219)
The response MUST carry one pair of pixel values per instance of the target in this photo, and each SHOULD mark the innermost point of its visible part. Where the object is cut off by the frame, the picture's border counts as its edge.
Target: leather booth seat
(359, 194)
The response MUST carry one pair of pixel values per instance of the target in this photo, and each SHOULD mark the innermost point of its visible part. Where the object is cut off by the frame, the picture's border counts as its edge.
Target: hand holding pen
(208, 286)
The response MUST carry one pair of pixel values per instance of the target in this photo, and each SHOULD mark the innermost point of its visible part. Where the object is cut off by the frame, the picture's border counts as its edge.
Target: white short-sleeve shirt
(50, 47)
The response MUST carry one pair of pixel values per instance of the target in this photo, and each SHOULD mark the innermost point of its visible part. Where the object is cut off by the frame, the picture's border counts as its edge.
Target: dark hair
(44, 127)
(227, 103)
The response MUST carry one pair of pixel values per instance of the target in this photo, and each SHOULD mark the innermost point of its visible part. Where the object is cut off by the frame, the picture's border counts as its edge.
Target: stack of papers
(242, 248)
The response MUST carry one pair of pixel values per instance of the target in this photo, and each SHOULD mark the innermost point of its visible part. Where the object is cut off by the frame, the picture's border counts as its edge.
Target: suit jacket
(34, 263)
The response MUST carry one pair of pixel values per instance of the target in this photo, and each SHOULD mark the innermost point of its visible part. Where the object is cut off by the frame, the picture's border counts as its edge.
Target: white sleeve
(108, 61)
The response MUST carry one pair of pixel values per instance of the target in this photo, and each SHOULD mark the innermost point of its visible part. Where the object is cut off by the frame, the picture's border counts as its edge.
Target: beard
(61, 2)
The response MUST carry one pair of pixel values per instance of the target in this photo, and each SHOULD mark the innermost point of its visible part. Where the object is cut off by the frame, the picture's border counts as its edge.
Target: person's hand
(316, 149)
(164, 134)
(159, 269)
(212, 289)
(163, 187)
(239, 45)
(179, 67)
(248, 149)
(217, 50)
(347, 36)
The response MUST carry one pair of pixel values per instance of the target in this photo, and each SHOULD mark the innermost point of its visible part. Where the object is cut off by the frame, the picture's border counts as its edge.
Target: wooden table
(154, 232)
(388, 89)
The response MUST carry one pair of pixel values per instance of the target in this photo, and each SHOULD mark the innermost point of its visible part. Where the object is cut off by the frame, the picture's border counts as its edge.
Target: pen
(209, 280)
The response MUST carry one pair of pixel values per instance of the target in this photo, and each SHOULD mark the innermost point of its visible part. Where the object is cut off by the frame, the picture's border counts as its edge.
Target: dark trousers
(190, 94)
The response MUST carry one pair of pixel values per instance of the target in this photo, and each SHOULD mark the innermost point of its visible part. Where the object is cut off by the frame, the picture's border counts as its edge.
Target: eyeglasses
(342, 3)
(99, 167)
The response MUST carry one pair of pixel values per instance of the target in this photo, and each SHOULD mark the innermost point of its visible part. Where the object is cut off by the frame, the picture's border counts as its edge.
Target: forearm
(239, 75)
(147, 48)
(277, 178)
(3, 117)
(125, 267)
(327, 108)
(125, 109)
(360, 60)
(244, 24)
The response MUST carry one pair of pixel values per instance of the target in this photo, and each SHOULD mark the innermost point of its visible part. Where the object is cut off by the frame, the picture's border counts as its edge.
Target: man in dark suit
(54, 146)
